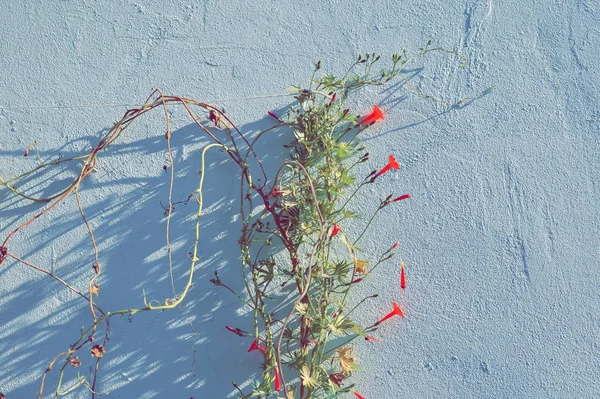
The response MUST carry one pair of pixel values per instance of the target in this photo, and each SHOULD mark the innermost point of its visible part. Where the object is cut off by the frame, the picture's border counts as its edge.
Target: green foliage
(305, 204)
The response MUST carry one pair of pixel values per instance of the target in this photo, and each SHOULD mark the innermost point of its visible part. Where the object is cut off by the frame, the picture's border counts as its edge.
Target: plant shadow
(181, 352)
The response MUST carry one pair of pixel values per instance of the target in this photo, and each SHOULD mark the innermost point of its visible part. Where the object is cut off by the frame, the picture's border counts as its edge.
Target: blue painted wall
(501, 238)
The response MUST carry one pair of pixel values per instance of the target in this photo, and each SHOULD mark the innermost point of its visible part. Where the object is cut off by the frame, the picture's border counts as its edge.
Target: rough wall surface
(501, 238)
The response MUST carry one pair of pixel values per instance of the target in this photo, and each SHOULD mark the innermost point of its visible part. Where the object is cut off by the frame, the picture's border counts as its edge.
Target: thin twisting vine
(305, 206)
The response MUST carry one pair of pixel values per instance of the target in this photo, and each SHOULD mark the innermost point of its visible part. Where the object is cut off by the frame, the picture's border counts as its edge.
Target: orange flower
(359, 396)
(396, 312)
(402, 276)
(336, 229)
(392, 164)
(374, 116)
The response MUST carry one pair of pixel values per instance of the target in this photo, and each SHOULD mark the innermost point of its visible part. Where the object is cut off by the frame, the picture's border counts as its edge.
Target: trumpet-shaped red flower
(373, 339)
(236, 331)
(396, 312)
(402, 197)
(256, 346)
(392, 164)
(277, 381)
(395, 245)
(332, 98)
(359, 396)
(272, 115)
(336, 229)
(402, 276)
(374, 116)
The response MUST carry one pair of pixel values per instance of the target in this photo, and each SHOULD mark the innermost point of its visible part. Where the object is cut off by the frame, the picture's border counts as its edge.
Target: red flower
(374, 116)
(237, 331)
(26, 152)
(395, 245)
(336, 229)
(332, 98)
(358, 280)
(372, 339)
(233, 330)
(359, 396)
(396, 312)
(277, 382)
(256, 346)
(271, 114)
(392, 164)
(402, 276)
(402, 197)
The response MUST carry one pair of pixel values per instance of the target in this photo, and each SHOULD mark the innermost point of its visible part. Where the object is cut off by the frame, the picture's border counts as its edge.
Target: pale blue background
(501, 238)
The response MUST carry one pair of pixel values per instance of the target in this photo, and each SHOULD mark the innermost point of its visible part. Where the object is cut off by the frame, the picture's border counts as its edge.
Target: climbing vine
(304, 207)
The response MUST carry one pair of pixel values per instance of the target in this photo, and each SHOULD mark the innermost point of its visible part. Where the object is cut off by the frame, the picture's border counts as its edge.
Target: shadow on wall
(178, 353)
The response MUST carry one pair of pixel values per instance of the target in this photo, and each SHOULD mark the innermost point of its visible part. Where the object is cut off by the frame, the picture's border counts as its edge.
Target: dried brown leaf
(97, 351)
(361, 265)
(307, 380)
(75, 362)
(346, 360)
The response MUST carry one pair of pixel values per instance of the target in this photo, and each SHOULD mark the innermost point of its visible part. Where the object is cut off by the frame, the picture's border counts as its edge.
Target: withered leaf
(346, 360)
(97, 351)
(307, 380)
(291, 393)
(337, 378)
(361, 265)
(75, 362)
(215, 118)
(302, 308)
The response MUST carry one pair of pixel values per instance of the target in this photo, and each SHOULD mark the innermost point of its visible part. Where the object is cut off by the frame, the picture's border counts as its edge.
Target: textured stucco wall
(501, 238)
